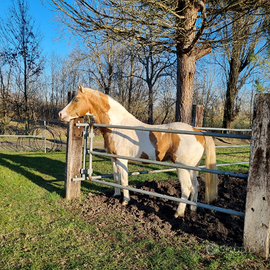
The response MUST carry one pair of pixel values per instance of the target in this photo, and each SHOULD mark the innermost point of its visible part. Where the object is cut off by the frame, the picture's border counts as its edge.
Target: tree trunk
(184, 94)
(187, 55)
(131, 77)
(230, 112)
(25, 91)
(239, 54)
(150, 104)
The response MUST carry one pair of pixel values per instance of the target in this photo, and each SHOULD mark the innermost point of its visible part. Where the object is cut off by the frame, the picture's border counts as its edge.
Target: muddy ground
(155, 216)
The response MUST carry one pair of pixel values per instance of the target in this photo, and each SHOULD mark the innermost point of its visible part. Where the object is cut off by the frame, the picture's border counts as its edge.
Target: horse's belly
(190, 153)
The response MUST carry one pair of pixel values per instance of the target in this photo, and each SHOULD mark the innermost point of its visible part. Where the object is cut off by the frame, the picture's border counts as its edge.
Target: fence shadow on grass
(43, 166)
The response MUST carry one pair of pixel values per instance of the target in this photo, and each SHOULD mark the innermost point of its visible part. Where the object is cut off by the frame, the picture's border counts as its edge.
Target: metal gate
(86, 173)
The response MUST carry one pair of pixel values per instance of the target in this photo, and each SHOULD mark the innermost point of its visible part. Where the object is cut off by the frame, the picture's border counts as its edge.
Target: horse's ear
(80, 88)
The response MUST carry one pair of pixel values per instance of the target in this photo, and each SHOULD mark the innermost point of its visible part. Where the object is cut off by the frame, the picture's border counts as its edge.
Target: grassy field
(41, 230)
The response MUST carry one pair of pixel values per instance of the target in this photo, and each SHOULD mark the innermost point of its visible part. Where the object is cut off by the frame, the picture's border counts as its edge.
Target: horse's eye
(76, 100)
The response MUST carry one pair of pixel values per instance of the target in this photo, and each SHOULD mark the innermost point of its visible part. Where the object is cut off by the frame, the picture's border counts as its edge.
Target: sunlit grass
(41, 230)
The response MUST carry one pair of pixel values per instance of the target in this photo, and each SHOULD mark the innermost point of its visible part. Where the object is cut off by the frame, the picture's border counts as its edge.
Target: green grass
(41, 230)
(233, 155)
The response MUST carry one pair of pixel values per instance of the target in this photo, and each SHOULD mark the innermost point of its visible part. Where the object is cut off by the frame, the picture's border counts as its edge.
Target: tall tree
(5, 81)
(188, 28)
(240, 58)
(20, 40)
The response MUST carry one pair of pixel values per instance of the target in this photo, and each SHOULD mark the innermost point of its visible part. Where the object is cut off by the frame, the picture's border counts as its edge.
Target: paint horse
(179, 148)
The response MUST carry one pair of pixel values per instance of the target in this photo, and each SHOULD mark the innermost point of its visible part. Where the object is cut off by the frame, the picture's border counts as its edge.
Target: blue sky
(43, 18)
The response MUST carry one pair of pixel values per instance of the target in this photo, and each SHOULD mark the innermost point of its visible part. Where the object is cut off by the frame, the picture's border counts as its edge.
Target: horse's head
(78, 107)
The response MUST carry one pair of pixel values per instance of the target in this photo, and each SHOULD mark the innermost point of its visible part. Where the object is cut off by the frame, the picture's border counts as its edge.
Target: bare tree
(97, 61)
(5, 82)
(207, 93)
(21, 42)
(240, 58)
(165, 102)
(156, 65)
(128, 88)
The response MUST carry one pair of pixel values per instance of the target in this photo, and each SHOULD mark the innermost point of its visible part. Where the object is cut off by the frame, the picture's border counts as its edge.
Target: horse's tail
(211, 180)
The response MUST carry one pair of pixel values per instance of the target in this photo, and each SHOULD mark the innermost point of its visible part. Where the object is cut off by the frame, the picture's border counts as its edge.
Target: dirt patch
(155, 216)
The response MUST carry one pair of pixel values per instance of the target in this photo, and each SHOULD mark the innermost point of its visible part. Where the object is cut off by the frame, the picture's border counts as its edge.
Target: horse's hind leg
(194, 191)
(122, 169)
(116, 177)
(186, 187)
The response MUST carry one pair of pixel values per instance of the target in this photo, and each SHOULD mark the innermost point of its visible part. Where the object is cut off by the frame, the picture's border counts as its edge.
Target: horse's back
(180, 148)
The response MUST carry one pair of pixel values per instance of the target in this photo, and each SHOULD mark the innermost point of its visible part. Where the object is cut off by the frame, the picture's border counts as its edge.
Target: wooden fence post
(197, 115)
(74, 159)
(71, 95)
(257, 219)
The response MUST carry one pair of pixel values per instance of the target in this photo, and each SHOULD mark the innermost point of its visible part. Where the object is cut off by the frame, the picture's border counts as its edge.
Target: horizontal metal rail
(226, 129)
(174, 165)
(210, 207)
(23, 136)
(230, 164)
(224, 146)
(84, 171)
(233, 146)
(237, 136)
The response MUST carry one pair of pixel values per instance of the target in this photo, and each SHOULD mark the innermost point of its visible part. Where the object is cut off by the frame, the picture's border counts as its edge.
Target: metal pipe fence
(85, 171)
(21, 136)
(31, 146)
(212, 134)
(39, 138)
(175, 165)
(86, 174)
(233, 146)
(226, 129)
(206, 206)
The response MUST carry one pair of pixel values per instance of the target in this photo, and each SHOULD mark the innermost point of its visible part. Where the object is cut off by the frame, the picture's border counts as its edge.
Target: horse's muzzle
(62, 116)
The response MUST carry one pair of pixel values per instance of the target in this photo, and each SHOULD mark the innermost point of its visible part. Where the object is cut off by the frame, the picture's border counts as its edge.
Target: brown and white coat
(179, 148)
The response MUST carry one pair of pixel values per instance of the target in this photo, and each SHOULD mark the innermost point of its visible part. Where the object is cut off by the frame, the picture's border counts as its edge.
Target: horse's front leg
(117, 191)
(122, 169)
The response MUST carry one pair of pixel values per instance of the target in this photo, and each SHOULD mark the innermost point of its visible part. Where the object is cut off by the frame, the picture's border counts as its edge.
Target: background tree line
(147, 64)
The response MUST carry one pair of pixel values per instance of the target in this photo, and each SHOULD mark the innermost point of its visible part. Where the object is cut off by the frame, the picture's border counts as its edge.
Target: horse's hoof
(125, 203)
(176, 215)
(193, 208)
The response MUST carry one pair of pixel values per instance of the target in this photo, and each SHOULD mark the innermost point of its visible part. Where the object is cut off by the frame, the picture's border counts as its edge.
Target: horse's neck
(108, 111)
(119, 115)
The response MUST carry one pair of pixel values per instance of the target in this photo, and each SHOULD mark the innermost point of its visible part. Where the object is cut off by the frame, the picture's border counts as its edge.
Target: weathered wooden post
(197, 115)
(74, 159)
(257, 219)
(73, 155)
